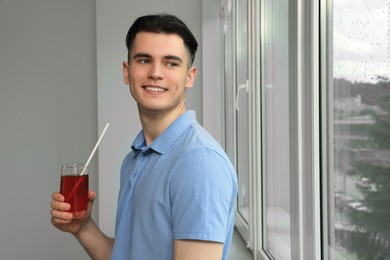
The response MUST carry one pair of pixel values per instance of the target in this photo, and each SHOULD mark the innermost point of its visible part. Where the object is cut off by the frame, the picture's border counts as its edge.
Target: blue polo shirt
(181, 186)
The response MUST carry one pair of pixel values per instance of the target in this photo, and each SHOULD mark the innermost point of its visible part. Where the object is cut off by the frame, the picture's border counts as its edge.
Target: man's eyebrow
(142, 55)
(173, 57)
(166, 57)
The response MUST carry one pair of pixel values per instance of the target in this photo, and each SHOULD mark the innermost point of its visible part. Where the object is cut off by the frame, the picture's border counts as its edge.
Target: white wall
(114, 101)
(47, 79)
(212, 66)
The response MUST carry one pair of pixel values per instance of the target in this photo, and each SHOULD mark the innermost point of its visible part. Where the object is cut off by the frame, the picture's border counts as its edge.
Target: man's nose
(155, 71)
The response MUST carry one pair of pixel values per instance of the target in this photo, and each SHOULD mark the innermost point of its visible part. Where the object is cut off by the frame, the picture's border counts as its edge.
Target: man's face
(158, 72)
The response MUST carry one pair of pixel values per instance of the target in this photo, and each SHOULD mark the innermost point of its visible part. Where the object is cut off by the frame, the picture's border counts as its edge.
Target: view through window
(359, 130)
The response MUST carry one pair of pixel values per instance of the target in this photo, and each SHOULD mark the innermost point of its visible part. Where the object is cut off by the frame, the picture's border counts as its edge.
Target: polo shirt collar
(166, 139)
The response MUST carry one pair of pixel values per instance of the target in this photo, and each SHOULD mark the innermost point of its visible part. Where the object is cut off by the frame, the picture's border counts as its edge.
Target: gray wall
(48, 78)
(47, 116)
(115, 104)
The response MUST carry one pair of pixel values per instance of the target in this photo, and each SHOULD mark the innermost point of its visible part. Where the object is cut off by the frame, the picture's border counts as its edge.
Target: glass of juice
(74, 187)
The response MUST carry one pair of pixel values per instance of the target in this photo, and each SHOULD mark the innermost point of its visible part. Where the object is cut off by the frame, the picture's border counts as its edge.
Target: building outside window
(359, 130)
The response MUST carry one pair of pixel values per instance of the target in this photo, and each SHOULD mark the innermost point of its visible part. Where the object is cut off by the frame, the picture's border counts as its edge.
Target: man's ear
(125, 69)
(191, 75)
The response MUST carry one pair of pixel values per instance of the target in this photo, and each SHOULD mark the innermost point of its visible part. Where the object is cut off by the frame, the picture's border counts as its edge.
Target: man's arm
(97, 245)
(197, 249)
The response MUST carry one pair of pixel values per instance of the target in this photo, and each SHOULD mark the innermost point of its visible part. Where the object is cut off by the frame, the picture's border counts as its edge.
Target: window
(266, 133)
(311, 136)
(277, 88)
(235, 39)
(358, 145)
(242, 110)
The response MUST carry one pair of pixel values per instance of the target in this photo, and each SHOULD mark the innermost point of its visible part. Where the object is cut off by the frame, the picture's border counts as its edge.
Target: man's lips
(154, 89)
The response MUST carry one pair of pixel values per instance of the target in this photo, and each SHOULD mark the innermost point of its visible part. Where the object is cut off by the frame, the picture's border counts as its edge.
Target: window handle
(241, 87)
(271, 89)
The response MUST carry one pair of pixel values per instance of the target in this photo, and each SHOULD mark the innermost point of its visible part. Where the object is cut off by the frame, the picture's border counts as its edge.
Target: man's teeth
(155, 89)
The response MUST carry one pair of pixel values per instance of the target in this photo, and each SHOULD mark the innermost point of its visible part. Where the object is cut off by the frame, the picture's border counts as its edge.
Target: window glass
(276, 137)
(228, 78)
(359, 130)
(242, 110)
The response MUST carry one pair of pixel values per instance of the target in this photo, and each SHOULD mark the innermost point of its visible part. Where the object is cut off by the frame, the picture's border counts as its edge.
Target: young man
(177, 186)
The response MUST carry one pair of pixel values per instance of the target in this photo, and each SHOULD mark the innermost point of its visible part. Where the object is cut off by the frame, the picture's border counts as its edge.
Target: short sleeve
(201, 194)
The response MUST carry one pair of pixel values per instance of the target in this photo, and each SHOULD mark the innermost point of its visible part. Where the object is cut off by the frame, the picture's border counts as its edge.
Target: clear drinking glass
(74, 187)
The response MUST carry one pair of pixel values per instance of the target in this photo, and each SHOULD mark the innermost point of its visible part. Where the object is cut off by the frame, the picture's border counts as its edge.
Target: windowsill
(238, 249)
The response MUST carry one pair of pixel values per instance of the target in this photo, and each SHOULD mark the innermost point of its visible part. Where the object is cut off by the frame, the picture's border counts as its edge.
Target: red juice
(75, 190)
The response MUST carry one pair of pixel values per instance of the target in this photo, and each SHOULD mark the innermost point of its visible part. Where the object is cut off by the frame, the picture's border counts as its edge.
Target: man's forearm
(97, 244)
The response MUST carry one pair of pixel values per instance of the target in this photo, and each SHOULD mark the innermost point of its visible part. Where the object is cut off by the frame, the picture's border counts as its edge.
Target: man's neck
(154, 122)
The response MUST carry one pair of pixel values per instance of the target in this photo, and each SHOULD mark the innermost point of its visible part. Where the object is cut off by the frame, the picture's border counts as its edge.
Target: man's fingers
(91, 195)
(58, 196)
(61, 206)
(57, 221)
(61, 217)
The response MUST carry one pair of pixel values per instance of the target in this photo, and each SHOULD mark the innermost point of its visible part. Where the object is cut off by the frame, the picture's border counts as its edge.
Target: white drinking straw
(94, 149)
(86, 164)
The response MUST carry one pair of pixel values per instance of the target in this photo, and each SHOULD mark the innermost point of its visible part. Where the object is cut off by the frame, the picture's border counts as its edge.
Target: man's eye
(143, 61)
(171, 64)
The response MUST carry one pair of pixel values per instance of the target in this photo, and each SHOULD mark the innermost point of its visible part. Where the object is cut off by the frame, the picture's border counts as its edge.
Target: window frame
(230, 102)
(325, 130)
(308, 102)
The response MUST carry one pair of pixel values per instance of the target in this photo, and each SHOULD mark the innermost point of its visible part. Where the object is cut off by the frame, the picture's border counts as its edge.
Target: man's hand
(63, 220)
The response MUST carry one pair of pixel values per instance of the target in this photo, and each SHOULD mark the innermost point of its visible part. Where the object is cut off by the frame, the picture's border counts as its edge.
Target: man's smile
(154, 89)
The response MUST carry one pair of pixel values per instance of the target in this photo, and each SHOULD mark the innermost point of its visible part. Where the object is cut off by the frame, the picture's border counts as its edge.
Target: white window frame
(307, 217)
